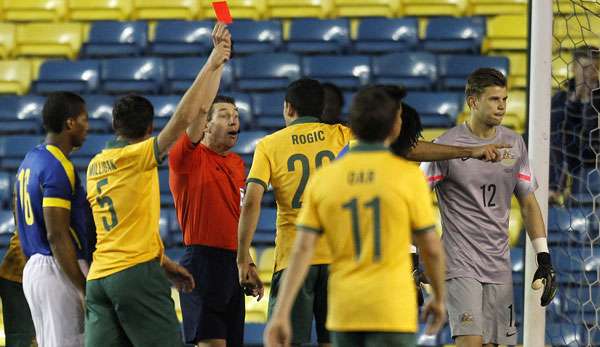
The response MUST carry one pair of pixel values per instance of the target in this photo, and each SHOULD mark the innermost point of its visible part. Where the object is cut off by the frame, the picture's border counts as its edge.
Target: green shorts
(18, 325)
(373, 339)
(310, 302)
(132, 307)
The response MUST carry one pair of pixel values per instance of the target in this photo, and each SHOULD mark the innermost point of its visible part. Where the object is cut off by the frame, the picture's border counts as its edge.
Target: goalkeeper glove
(546, 277)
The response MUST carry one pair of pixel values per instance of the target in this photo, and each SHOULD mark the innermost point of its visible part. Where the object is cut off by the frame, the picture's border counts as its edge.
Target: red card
(222, 12)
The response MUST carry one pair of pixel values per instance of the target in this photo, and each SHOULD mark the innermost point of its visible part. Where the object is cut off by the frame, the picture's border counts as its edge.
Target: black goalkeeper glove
(418, 277)
(546, 277)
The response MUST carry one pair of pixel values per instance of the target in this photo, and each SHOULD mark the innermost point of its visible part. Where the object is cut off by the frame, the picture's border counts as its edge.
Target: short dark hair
(306, 97)
(132, 115)
(410, 132)
(372, 114)
(59, 107)
(219, 99)
(482, 78)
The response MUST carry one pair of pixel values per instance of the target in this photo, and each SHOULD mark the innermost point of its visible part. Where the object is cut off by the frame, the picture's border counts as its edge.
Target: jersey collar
(368, 147)
(116, 143)
(305, 119)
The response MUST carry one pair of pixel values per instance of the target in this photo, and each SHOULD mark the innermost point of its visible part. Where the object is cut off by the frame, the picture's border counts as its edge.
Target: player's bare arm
(246, 228)
(58, 220)
(196, 101)
(278, 331)
(178, 275)
(428, 151)
(432, 253)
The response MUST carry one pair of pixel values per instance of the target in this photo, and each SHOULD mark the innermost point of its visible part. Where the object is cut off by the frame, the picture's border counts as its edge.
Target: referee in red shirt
(207, 182)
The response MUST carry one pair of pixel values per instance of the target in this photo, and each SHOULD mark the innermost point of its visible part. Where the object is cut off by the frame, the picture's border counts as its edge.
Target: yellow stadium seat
(49, 39)
(518, 70)
(496, 7)
(99, 9)
(506, 33)
(569, 7)
(365, 8)
(160, 9)
(15, 76)
(433, 7)
(240, 9)
(34, 10)
(431, 134)
(517, 104)
(560, 69)
(266, 263)
(7, 39)
(298, 8)
(256, 311)
(575, 31)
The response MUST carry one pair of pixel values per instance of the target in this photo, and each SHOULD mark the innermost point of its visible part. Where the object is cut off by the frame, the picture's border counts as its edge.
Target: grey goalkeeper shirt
(474, 198)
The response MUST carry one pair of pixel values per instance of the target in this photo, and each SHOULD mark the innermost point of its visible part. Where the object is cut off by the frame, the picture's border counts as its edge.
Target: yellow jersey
(123, 191)
(367, 205)
(286, 159)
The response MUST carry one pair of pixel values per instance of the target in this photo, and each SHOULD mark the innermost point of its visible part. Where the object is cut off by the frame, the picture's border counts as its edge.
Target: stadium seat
(297, 8)
(586, 185)
(575, 30)
(79, 76)
(7, 39)
(243, 102)
(518, 70)
(49, 39)
(7, 226)
(365, 8)
(445, 104)
(432, 134)
(570, 226)
(34, 10)
(255, 36)
(92, 10)
(564, 334)
(178, 37)
(506, 33)
(99, 109)
(14, 148)
(346, 72)
(309, 35)
(159, 9)
(164, 105)
(454, 69)
(256, 311)
(247, 141)
(516, 259)
(266, 263)
(383, 35)
(29, 107)
(415, 70)
(253, 334)
(94, 143)
(454, 35)
(125, 75)
(181, 72)
(516, 106)
(496, 7)
(15, 76)
(268, 110)
(240, 9)
(267, 71)
(113, 39)
(560, 69)
(11, 124)
(453, 8)
(5, 189)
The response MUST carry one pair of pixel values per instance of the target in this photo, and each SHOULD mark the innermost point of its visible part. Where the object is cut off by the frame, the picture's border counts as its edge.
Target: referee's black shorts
(215, 308)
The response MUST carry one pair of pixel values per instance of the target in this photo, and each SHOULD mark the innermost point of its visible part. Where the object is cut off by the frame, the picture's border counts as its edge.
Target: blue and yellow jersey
(47, 178)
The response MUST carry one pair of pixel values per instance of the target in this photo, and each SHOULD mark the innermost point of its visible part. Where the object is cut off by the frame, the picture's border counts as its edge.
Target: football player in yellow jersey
(285, 160)
(128, 299)
(369, 206)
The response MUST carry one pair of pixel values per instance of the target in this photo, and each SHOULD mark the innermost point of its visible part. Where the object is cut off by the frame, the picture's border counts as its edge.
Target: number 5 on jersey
(106, 201)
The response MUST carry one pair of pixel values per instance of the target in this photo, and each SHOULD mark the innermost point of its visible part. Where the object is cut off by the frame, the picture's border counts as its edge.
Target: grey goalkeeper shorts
(481, 309)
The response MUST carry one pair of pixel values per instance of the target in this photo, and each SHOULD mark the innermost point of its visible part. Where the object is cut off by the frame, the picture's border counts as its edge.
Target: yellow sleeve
(308, 217)
(420, 204)
(147, 153)
(261, 166)
(348, 135)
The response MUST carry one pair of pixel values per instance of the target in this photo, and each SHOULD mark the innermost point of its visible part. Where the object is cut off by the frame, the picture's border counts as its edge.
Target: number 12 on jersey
(375, 205)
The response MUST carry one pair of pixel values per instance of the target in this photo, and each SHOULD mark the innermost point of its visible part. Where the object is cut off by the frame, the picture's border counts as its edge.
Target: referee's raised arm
(198, 98)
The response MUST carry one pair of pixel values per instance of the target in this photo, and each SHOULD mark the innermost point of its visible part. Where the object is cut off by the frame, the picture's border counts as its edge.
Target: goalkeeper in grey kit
(475, 199)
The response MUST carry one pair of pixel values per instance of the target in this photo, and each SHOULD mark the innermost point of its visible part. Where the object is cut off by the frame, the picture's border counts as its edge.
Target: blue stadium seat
(454, 69)
(454, 35)
(570, 225)
(246, 143)
(94, 143)
(5, 189)
(20, 126)
(175, 253)
(14, 148)
(243, 102)
(255, 36)
(179, 37)
(7, 226)
(113, 39)
(586, 185)
(164, 105)
(126, 75)
(564, 334)
(384, 35)
(99, 109)
(20, 114)
(267, 71)
(181, 72)
(347, 72)
(79, 76)
(164, 224)
(163, 180)
(9, 105)
(311, 35)
(253, 334)
(516, 258)
(30, 107)
(415, 70)
(437, 109)
(265, 229)
(268, 110)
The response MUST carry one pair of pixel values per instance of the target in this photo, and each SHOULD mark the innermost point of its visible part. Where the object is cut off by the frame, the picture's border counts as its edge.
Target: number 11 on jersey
(353, 206)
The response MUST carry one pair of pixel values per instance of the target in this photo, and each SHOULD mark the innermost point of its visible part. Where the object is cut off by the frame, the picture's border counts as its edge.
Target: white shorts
(56, 306)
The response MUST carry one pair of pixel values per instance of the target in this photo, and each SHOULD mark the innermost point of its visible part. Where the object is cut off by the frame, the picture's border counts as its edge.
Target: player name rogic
(308, 138)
